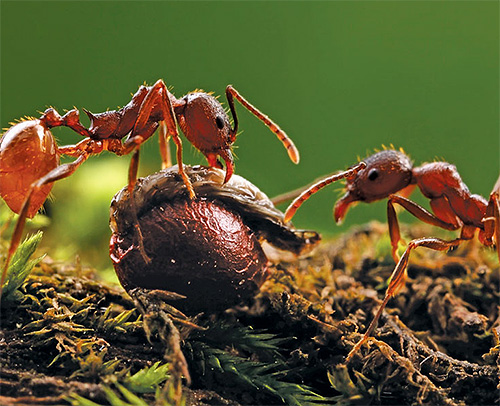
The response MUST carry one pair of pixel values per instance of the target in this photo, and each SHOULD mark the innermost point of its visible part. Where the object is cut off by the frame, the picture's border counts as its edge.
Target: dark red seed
(198, 249)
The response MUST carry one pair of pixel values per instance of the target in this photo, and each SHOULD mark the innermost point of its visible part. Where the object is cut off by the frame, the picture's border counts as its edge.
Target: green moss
(73, 333)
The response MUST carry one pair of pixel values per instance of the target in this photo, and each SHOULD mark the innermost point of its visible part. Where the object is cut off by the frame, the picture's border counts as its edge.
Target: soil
(71, 338)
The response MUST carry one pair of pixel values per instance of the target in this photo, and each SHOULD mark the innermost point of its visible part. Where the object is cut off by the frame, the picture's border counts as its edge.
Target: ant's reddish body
(29, 154)
(388, 172)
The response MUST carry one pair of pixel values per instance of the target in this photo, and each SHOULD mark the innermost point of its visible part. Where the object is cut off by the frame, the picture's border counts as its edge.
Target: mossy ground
(71, 338)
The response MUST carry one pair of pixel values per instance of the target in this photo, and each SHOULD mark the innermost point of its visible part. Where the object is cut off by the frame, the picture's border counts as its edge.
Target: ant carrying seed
(29, 154)
(390, 174)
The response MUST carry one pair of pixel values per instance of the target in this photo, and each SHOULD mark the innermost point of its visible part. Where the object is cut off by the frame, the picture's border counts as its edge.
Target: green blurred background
(342, 78)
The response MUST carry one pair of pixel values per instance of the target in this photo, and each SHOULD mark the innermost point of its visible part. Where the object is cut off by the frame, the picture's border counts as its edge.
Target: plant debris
(69, 338)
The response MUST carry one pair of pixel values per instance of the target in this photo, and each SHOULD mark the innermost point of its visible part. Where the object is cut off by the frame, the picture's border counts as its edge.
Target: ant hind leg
(398, 279)
(416, 210)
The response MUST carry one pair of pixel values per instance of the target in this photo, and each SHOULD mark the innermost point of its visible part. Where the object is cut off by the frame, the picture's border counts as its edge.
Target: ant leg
(133, 144)
(166, 159)
(394, 233)
(416, 210)
(398, 279)
(132, 180)
(87, 144)
(294, 206)
(158, 97)
(132, 171)
(60, 172)
(185, 178)
(231, 92)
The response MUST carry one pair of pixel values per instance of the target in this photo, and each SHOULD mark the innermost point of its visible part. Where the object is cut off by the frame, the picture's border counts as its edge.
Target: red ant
(29, 154)
(385, 173)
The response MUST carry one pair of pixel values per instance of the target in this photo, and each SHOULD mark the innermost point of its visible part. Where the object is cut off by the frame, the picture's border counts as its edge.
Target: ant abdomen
(28, 151)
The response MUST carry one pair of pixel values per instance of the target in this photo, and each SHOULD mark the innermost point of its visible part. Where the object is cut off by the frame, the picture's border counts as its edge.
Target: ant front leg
(60, 172)
(398, 276)
(157, 97)
(416, 210)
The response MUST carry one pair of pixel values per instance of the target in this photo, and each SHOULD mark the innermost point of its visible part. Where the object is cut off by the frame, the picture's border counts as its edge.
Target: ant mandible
(388, 172)
(29, 154)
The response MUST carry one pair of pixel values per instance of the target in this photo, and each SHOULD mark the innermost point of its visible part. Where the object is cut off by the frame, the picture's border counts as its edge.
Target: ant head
(386, 172)
(205, 123)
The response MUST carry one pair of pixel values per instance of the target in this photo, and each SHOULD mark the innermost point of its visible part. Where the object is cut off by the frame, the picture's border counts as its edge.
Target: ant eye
(373, 174)
(219, 121)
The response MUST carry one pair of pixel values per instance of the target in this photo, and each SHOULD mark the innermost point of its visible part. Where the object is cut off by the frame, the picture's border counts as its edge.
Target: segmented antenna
(292, 150)
(294, 206)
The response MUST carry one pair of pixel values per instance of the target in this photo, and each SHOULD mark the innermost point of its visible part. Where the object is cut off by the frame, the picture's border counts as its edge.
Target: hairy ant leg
(157, 96)
(399, 275)
(416, 210)
(60, 172)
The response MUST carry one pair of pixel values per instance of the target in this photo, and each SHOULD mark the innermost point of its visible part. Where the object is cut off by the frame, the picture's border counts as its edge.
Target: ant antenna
(294, 206)
(292, 150)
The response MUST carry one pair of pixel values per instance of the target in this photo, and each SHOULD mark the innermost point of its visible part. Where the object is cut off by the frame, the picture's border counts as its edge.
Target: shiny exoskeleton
(390, 174)
(207, 249)
(29, 155)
